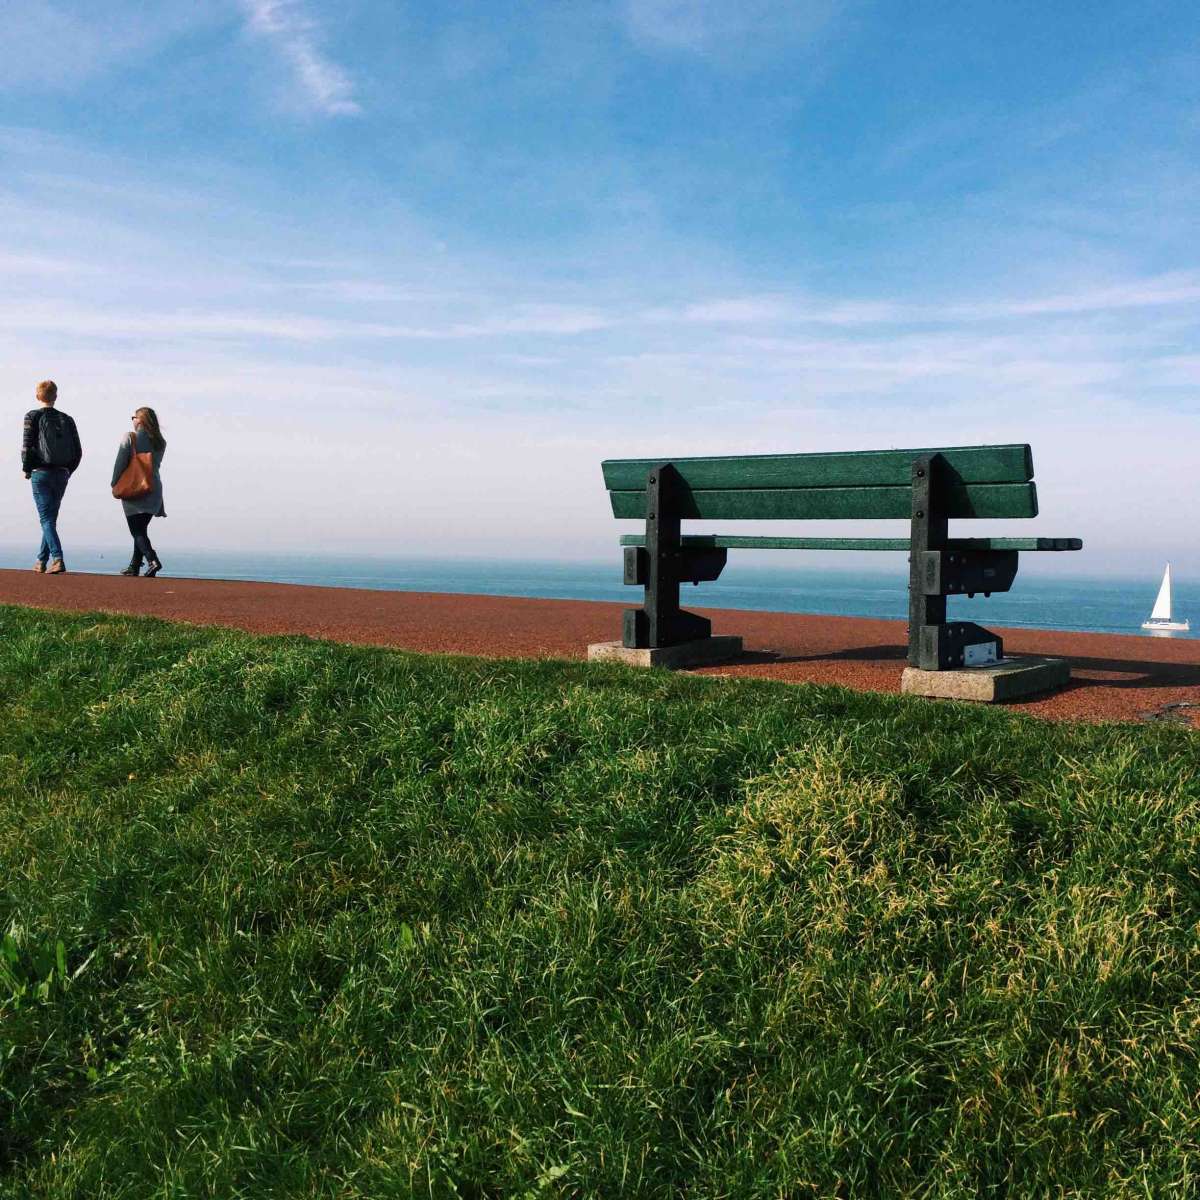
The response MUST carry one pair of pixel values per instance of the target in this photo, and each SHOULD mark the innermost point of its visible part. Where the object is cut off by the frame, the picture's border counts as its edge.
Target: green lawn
(285, 918)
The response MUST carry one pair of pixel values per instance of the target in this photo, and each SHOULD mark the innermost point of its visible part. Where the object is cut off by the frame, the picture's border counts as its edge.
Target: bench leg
(660, 621)
(935, 644)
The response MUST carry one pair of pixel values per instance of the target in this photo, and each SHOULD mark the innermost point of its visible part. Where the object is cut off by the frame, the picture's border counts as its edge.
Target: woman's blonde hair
(149, 420)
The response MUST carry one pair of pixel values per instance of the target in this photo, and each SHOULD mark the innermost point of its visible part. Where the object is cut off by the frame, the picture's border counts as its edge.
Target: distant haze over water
(1037, 601)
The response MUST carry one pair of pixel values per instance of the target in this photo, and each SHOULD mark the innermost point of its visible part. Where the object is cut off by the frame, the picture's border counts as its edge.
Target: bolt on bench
(927, 487)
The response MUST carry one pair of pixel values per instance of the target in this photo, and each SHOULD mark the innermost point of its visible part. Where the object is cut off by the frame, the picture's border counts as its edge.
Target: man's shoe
(56, 567)
(152, 568)
(39, 567)
(134, 568)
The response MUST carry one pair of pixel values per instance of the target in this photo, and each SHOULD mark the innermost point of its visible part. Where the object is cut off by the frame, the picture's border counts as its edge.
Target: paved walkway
(1114, 677)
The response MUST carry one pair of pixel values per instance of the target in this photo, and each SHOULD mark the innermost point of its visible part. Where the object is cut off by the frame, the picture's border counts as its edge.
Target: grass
(290, 919)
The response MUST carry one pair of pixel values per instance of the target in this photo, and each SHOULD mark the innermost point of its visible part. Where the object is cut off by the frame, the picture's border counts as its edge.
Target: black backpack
(56, 439)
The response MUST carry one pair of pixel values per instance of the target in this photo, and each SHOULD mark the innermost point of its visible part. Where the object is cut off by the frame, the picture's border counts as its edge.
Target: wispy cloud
(717, 27)
(1157, 291)
(765, 324)
(780, 309)
(1178, 288)
(546, 320)
(39, 266)
(91, 38)
(293, 31)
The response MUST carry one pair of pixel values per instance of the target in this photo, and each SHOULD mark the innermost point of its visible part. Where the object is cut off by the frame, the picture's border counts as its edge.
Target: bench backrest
(982, 481)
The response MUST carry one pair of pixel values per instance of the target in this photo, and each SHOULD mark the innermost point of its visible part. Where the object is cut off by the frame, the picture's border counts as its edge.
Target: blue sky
(397, 276)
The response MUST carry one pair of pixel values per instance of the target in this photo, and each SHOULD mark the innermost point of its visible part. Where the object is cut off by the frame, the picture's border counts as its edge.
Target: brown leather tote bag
(138, 477)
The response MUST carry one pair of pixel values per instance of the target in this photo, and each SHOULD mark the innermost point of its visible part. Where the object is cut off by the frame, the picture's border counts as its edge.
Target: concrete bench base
(703, 652)
(1009, 679)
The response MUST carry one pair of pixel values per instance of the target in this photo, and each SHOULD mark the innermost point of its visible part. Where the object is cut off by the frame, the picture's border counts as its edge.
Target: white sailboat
(1160, 617)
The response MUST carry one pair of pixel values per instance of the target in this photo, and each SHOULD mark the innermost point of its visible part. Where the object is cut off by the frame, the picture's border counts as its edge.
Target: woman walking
(148, 444)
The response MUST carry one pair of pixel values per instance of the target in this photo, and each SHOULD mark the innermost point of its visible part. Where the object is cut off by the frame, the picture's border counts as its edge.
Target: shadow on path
(1133, 673)
(1117, 672)
(857, 654)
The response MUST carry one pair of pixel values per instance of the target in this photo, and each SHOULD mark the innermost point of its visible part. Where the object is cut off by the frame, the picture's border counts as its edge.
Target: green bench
(928, 488)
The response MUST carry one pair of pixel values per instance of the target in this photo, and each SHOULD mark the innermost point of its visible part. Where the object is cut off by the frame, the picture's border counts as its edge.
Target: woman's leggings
(138, 524)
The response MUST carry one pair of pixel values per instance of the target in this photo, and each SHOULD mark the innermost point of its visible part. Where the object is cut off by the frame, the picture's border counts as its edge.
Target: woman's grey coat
(152, 501)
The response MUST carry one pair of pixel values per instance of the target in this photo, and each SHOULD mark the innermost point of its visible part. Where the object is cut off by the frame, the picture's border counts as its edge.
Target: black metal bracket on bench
(662, 565)
(939, 568)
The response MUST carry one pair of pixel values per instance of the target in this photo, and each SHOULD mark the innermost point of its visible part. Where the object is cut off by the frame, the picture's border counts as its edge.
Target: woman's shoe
(134, 568)
(57, 567)
(39, 567)
(152, 568)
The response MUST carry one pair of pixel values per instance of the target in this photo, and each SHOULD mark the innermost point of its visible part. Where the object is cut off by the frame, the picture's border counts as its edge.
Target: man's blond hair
(47, 391)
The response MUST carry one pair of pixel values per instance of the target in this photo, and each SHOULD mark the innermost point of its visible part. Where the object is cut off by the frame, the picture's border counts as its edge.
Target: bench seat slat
(720, 541)
(836, 503)
(866, 468)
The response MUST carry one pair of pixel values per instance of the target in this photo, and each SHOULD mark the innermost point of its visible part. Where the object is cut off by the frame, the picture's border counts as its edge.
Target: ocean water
(1037, 601)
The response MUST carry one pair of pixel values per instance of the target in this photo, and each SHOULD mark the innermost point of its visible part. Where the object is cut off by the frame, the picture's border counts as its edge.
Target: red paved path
(1114, 678)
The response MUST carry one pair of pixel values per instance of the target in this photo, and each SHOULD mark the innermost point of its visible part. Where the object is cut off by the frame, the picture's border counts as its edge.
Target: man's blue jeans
(48, 488)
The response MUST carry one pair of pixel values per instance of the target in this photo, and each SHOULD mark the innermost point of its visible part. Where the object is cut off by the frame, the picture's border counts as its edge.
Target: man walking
(50, 452)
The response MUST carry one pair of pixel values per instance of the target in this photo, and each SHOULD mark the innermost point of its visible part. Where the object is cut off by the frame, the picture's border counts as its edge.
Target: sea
(1039, 599)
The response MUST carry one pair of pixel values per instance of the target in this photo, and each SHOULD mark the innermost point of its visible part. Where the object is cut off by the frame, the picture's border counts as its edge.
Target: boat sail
(1160, 617)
